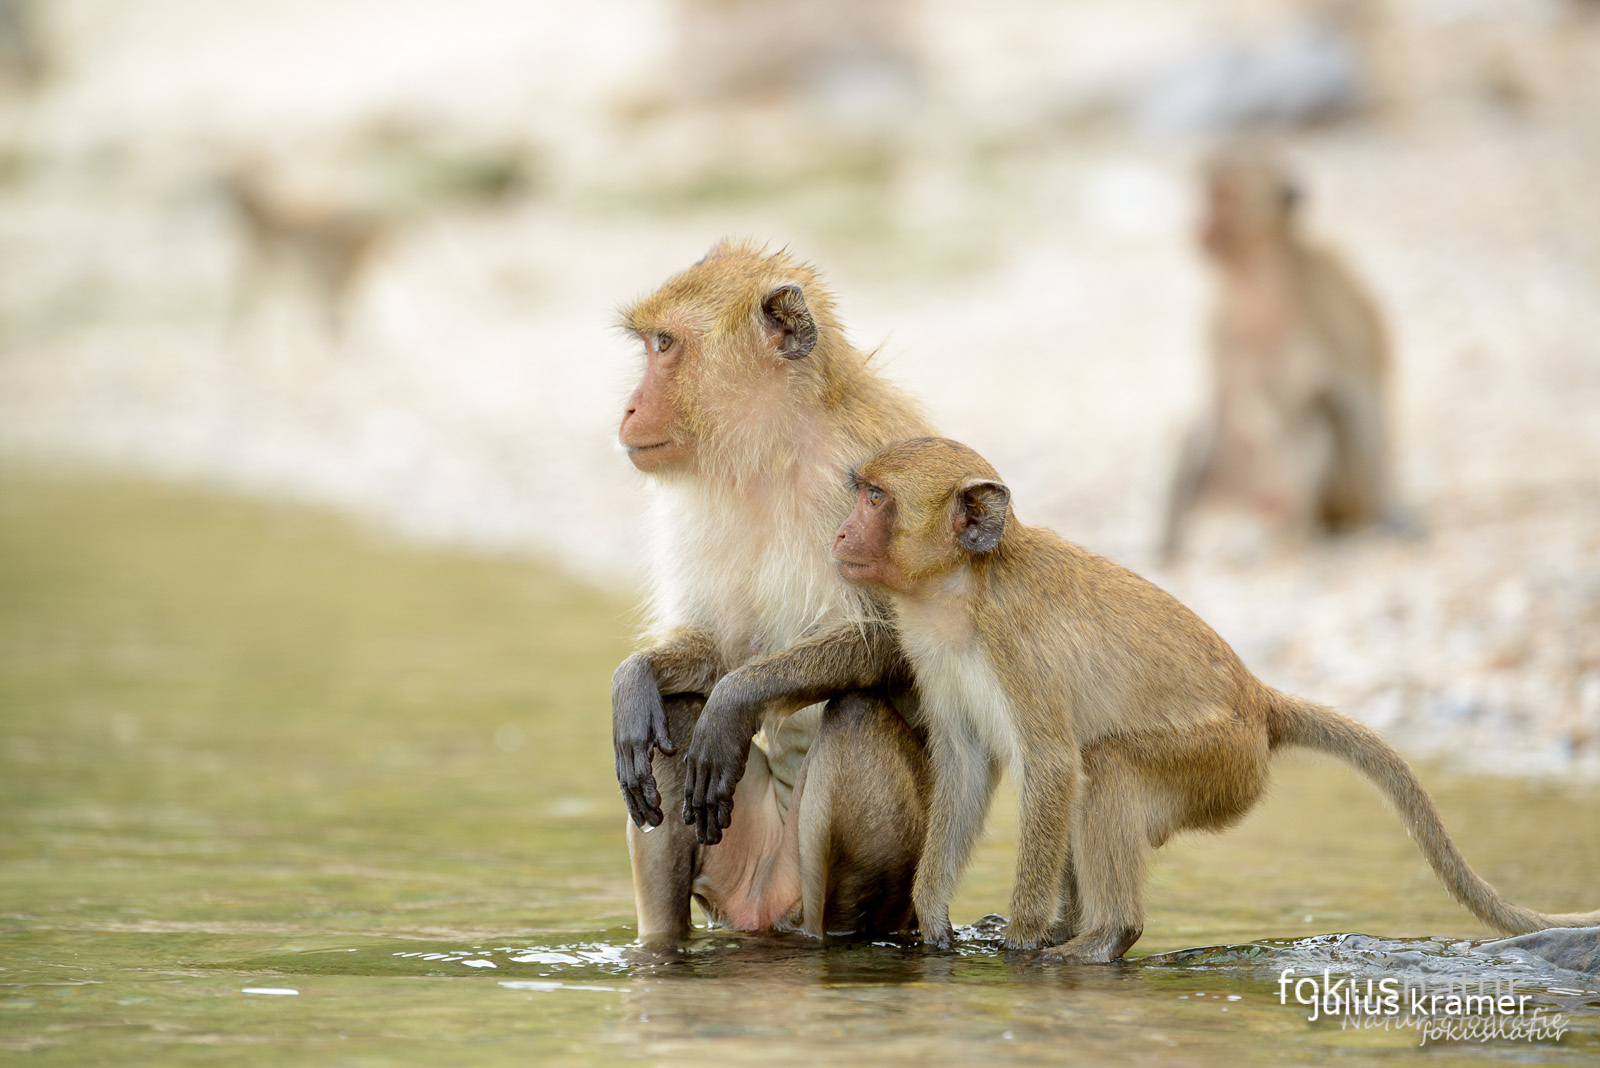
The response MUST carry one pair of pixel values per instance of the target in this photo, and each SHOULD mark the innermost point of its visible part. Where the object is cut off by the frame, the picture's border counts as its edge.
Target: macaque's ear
(789, 323)
(981, 514)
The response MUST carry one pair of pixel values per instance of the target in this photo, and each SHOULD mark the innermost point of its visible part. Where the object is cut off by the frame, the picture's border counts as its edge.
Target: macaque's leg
(964, 779)
(749, 881)
(1068, 921)
(861, 814)
(1049, 784)
(1110, 840)
(1303, 468)
(1356, 491)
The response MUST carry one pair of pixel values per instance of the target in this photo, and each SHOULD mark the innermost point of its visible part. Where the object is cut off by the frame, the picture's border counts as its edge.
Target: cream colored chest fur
(758, 584)
(961, 696)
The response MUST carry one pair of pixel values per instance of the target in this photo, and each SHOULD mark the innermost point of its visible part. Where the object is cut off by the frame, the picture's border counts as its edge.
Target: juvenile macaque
(1300, 361)
(752, 402)
(328, 241)
(1123, 717)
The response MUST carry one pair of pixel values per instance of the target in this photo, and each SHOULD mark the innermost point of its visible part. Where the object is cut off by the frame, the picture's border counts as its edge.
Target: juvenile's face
(862, 546)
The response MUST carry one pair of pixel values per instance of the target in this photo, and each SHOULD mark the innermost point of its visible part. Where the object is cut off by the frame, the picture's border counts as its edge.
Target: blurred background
(369, 255)
(317, 550)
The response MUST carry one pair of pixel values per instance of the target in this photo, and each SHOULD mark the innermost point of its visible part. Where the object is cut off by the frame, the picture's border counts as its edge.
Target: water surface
(252, 748)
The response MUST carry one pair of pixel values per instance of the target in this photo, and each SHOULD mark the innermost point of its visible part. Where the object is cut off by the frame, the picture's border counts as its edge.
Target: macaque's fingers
(644, 786)
(625, 781)
(638, 726)
(639, 788)
(692, 789)
(725, 780)
(652, 796)
(708, 832)
(634, 812)
(699, 802)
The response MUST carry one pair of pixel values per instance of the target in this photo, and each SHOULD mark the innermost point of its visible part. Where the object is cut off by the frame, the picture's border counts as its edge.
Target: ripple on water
(602, 961)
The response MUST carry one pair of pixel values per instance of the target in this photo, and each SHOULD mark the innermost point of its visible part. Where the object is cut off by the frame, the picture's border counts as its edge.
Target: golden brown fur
(1124, 717)
(751, 404)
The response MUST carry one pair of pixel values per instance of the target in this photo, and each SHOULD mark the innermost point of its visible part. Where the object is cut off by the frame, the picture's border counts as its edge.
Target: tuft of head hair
(934, 462)
(722, 294)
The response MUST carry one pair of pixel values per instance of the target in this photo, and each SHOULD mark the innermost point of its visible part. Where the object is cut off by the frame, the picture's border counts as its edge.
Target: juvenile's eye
(874, 496)
(663, 342)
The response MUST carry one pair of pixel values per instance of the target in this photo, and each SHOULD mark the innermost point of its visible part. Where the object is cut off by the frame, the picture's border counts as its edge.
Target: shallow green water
(250, 747)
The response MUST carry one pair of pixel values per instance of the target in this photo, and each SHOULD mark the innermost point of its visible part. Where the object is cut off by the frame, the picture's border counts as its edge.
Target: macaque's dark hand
(714, 762)
(638, 726)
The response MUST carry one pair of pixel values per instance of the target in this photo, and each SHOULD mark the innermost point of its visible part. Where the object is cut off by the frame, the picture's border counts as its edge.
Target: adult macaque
(1300, 361)
(330, 242)
(751, 404)
(1122, 715)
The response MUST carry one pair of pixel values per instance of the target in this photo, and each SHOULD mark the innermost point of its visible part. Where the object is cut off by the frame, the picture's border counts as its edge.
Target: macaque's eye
(874, 496)
(663, 342)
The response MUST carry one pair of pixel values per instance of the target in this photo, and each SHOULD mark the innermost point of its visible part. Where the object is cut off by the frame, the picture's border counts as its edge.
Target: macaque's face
(862, 547)
(653, 432)
(1245, 208)
(924, 508)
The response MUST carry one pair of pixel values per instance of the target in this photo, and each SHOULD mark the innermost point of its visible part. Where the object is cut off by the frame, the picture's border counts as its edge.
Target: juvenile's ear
(981, 514)
(789, 322)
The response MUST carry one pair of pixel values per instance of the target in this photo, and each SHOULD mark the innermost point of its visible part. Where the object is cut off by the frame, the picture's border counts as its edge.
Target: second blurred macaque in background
(1298, 426)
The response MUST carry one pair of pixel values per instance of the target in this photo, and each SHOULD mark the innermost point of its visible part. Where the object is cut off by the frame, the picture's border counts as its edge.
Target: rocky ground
(1019, 250)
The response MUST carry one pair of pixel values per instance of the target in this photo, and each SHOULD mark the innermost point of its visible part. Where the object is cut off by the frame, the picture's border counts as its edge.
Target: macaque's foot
(1022, 934)
(937, 932)
(1094, 947)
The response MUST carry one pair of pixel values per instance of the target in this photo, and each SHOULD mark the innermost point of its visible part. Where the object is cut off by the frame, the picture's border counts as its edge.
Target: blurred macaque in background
(1300, 364)
(321, 240)
(319, 215)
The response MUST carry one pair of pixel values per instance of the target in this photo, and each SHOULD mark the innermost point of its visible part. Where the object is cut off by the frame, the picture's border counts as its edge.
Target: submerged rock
(1574, 948)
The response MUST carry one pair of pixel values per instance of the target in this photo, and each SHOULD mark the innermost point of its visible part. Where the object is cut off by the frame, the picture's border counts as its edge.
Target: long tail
(1294, 721)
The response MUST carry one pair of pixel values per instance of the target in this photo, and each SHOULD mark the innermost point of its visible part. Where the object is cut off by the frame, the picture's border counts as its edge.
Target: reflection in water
(776, 996)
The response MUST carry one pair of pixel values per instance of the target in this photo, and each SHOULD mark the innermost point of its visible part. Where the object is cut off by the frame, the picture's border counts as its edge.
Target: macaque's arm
(847, 657)
(686, 662)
